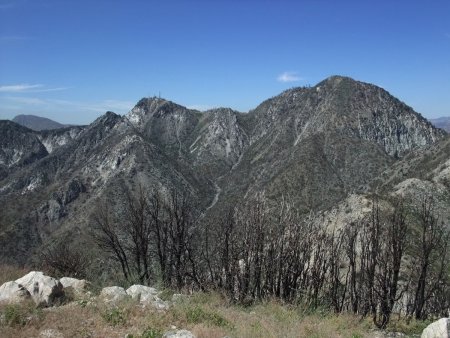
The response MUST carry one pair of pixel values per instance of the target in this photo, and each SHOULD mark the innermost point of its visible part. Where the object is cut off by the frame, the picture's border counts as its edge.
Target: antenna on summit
(159, 94)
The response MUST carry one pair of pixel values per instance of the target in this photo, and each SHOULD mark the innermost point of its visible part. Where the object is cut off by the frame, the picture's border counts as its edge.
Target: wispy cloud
(28, 88)
(34, 101)
(288, 77)
(18, 88)
(68, 105)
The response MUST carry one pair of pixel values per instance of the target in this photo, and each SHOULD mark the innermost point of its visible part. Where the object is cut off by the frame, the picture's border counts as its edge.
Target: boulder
(437, 329)
(78, 285)
(113, 294)
(142, 293)
(11, 292)
(45, 290)
(147, 296)
(179, 334)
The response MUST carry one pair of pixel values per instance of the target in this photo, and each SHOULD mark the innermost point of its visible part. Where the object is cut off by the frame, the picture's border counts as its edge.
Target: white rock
(11, 292)
(159, 304)
(113, 294)
(179, 334)
(44, 290)
(437, 329)
(142, 293)
(147, 296)
(78, 285)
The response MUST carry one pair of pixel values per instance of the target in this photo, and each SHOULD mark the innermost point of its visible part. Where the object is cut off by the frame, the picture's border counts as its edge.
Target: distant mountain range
(325, 147)
(37, 123)
(442, 122)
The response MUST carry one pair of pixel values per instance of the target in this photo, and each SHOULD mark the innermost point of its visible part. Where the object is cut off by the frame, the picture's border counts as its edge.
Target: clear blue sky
(71, 60)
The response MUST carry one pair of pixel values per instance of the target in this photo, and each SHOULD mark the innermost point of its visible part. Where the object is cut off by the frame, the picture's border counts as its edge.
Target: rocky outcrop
(146, 295)
(12, 292)
(45, 290)
(141, 293)
(19, 147)
(437, 329)
(113, 294)
(54, 139)
(78, 285)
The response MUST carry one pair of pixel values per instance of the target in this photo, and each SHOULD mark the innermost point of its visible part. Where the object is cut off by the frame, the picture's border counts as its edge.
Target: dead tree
(389, 264)
(431, 257)
(109, 237)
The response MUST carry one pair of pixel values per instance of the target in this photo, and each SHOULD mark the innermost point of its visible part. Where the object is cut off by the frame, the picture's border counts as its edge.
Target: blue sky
(73, 60)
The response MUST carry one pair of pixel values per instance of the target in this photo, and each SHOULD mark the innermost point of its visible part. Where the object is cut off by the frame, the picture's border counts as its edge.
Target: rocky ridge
(318, 145)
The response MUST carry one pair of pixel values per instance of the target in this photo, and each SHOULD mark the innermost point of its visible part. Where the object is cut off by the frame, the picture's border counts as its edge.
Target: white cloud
(26, 100)
(116, 106)
(288, 77)
(27, 88)
(18, 88)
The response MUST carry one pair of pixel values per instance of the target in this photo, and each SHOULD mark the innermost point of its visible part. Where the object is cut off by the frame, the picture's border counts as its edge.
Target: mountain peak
(37, 122)
(335, 79)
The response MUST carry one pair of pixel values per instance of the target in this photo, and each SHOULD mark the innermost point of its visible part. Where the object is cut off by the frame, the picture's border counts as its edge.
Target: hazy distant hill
(442, 122)
(37, 123)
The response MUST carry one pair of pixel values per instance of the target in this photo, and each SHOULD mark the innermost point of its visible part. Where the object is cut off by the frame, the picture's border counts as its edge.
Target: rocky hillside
(317, 145)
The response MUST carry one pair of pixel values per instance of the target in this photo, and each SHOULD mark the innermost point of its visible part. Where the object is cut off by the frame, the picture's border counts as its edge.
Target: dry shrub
(11, 273)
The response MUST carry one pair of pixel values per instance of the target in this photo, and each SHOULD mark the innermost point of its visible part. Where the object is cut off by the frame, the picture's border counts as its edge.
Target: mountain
(37, 123)
(317, 145)
(442, 122)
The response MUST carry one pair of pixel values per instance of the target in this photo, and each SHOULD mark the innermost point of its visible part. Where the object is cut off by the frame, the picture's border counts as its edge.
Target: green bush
(19, 314)
(151, 333)
(13, 315)
(198, 315)
(115, 316)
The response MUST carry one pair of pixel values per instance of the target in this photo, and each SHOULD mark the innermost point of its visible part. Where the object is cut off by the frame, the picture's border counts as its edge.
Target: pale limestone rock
(45, 290)
(113, 294)
(147, 296)
(78, 285)
(437, 329)
(142, 293)
(11, 292)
